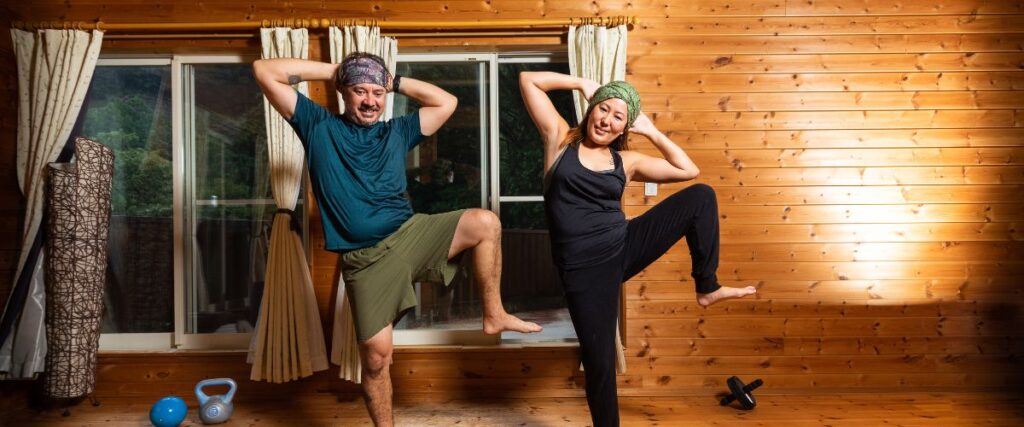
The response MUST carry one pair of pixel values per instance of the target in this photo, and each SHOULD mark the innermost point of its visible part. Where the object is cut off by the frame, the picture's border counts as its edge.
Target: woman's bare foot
(508, 322)
(724, 293)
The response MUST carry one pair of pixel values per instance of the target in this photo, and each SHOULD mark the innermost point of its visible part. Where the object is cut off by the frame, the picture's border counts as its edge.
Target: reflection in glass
(128, 108)
(444, 174)
(520, 149)
(530, 286)
(231, 201)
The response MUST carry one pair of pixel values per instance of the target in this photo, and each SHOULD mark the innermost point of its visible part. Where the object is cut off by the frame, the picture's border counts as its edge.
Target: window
(128, 108)
(487, 155)
(189, 138)
(192, 205)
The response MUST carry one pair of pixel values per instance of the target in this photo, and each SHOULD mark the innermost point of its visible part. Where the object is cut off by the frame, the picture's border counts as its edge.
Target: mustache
(368, 108)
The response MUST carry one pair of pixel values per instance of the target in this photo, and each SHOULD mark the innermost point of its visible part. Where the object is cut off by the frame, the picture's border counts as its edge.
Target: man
(357, 168)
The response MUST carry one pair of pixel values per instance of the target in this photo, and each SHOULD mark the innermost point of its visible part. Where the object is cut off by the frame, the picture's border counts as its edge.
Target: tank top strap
(617, 159)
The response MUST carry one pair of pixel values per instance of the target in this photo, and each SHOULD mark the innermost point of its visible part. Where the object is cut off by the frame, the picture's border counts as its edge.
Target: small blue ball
(168, 412)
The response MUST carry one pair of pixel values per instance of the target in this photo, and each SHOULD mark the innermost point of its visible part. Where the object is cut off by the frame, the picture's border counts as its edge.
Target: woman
(595, 248)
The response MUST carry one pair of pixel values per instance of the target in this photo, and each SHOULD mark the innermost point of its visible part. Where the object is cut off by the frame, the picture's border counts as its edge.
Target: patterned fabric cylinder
(78, 224)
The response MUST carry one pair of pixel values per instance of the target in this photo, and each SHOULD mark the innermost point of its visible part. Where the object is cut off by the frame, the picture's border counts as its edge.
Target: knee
(484, 222)
(376, 360)
(702, 191)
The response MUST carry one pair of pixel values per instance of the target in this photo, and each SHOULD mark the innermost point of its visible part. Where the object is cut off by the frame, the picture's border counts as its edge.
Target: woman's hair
(578, 133)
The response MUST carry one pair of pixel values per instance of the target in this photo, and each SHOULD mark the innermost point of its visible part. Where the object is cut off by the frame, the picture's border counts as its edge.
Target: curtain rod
(446, 34)
(485, 25)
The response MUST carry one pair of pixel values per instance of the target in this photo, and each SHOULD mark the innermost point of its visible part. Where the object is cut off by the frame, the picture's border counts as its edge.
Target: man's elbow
(451, 104)
(259, 69)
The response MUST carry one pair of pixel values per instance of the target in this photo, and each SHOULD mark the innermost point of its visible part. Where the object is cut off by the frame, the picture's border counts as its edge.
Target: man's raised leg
(479, 230)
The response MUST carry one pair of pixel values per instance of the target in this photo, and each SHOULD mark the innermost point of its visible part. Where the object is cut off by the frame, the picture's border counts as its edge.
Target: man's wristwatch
(395, 83)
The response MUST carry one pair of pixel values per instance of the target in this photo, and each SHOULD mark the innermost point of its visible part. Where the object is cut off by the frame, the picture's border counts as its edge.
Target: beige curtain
(598, 53)
(289, 341)
(344, 349)
(54, 71)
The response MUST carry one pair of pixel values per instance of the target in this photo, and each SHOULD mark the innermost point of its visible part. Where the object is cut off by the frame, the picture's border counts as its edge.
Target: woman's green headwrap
(621, 90)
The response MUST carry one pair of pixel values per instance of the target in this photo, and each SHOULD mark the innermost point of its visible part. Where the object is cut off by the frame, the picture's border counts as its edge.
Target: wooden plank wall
(867, 156)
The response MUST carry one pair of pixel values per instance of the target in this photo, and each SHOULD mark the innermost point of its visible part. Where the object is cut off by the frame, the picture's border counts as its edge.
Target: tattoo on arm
(294, 79)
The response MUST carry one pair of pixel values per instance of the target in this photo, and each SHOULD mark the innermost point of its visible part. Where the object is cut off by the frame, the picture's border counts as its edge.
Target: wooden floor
(860, 409)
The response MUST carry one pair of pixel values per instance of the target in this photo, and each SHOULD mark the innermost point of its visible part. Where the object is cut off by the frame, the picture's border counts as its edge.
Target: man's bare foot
(724, 293)
(508, 322)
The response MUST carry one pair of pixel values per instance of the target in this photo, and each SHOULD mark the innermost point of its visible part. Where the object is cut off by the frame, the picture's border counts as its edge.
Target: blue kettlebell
(215, 409)
(168, 412)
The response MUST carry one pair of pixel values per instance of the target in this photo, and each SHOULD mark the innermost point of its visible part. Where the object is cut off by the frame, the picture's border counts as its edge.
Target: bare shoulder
(630, 157)
(631, 160)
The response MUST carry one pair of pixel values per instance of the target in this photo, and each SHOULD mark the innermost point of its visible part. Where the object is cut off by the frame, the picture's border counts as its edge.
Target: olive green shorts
(379, 278)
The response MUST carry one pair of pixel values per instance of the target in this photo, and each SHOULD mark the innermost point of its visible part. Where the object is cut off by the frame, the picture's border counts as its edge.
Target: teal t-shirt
(357, 173)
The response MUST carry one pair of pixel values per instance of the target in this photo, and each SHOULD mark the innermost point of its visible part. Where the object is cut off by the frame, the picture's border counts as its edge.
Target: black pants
(593, 292)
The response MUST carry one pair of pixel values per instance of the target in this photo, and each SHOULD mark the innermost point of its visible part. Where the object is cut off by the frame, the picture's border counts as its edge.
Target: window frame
(184, 166)
(183, 213)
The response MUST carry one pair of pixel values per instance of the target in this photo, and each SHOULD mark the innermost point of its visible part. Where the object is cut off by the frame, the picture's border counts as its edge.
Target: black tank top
(584, 211)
